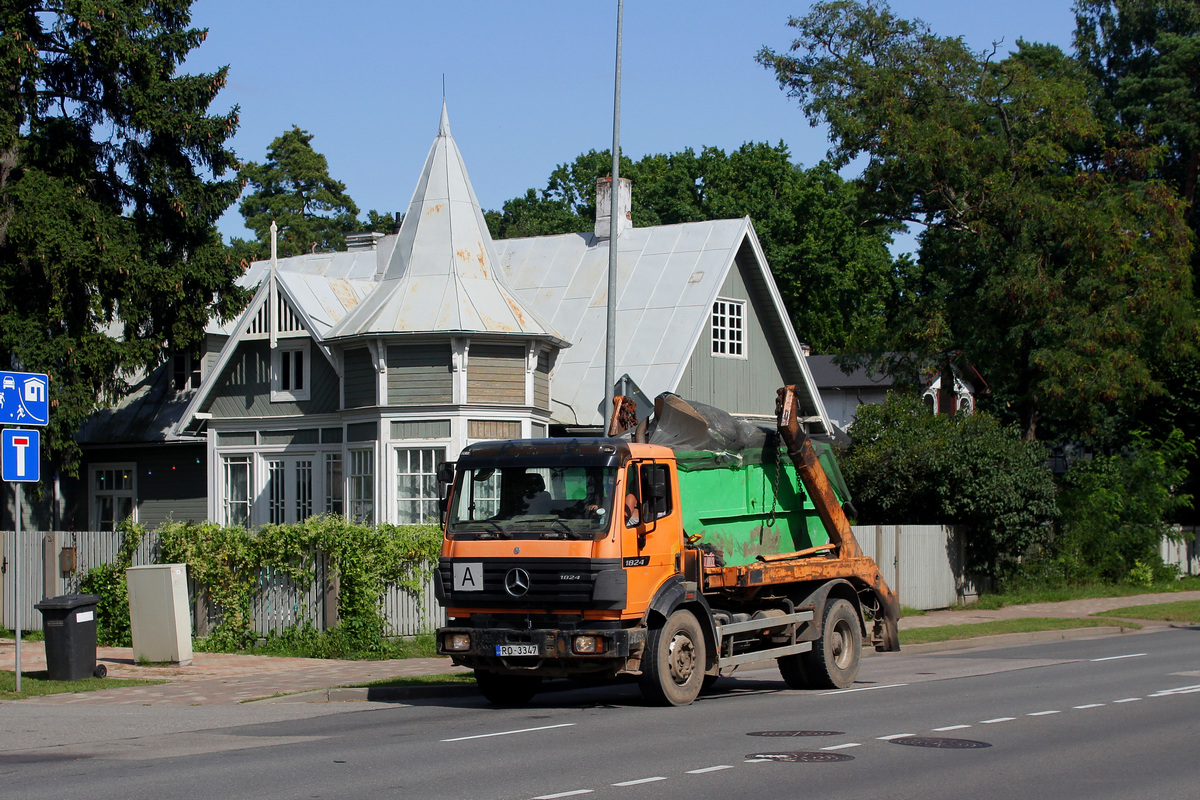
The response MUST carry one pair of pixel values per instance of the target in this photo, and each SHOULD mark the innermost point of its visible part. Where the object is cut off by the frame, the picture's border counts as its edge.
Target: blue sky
(529, 85)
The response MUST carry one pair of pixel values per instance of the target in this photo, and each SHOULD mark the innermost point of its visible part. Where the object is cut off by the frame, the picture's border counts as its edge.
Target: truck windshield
(547, 502)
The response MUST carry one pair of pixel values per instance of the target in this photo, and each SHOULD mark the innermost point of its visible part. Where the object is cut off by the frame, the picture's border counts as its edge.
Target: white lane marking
(842, 746)
(952, 728)
(1042, 713)
(758, 760)
(510, 733)
(563, 794)
(703, 770)
(891, 736)
(638, 781)
(1180, 690)
(864, 689)
(1127, 700)
(997, 719)
(1090, 705)
(1116, 658)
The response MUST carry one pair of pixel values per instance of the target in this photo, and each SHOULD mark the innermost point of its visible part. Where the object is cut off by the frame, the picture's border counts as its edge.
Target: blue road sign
(21, 455)
(24, 398)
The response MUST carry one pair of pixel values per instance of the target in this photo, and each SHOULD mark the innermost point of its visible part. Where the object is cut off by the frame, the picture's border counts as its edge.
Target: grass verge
(1178, 611)
(35, 683)
(947, 633)
(441, 679)
(1040, 593)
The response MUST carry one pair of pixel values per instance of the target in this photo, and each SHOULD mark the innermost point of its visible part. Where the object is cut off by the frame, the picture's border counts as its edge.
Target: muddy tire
(833, 661)
(791, 669)
(507, 690)
(674, 661)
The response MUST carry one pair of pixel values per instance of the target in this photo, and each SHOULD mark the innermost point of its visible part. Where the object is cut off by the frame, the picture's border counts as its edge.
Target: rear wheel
(507, 690)
(674, 661)
(791, 668)
(833, 661)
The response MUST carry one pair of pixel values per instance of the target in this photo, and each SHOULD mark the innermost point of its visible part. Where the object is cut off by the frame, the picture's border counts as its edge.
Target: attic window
(290, 372)
(727, 328)
(185, 371)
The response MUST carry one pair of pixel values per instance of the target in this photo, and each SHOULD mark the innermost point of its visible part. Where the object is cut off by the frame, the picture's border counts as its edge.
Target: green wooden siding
(171, 483)
(244, 389)
(359, 378)
(496, 375)
(541, 382)
(738, 385)
(421, 429)
(419, 374)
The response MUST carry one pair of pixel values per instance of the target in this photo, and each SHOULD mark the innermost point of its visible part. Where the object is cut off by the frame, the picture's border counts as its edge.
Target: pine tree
(112, 176)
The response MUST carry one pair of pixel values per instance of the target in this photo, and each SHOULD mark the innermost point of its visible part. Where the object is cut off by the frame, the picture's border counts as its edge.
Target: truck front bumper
(612, 651)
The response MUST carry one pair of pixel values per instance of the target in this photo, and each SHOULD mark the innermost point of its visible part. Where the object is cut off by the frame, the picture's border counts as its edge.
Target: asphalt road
(1092, 718)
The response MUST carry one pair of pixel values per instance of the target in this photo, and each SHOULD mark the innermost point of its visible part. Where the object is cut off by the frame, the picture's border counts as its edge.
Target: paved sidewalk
(224, 678)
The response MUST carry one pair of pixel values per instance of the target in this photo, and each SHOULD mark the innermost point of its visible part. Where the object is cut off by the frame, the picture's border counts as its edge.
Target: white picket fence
(924, 563)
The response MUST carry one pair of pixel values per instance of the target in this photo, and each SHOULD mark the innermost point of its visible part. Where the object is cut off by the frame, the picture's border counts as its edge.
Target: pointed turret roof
(443, 276)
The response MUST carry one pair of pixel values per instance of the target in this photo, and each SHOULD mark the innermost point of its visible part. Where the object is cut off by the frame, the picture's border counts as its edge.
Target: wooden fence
(924, 563)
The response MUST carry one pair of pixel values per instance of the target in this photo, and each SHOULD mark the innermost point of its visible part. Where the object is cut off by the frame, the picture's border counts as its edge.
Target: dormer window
(185, 371)
(290, 371)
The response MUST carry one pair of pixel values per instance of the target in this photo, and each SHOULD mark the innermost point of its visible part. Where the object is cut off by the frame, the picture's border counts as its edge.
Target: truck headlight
(457, 642)
(588, 645)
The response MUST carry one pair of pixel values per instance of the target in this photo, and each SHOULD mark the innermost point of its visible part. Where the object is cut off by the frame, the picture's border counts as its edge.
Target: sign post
(23, 401)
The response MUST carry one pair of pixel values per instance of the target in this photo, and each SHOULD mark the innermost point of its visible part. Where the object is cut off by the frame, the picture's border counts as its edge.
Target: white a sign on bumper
(468, 576)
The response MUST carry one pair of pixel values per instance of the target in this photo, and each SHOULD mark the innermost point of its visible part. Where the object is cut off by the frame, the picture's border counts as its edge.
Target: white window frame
(95, 494)
(251, 461)
(356, 501)
(429, 487)
(291, 352)
(728, 327)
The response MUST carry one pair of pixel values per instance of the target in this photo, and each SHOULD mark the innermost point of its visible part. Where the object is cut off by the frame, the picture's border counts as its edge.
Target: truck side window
(633, 496)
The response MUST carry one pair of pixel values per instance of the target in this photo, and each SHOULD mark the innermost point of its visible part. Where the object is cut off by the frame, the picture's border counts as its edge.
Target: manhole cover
(796, 733)
(943, 742)
(803, 756)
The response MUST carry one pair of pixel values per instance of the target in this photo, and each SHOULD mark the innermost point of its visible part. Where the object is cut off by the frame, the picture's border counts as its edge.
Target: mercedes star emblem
(516, 582)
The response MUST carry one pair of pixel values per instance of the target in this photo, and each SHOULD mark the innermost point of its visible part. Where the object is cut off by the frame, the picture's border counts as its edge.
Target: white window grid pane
(727, 327)
(276, 505)
(362, 486)
(237, 490)
(333, 484)
(416, 484)
(304, 490)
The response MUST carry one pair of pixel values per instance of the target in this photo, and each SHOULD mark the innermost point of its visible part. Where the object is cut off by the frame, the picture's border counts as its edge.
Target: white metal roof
(441, 276)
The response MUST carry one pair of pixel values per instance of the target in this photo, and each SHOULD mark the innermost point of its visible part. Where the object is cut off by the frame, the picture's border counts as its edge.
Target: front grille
(552, 583)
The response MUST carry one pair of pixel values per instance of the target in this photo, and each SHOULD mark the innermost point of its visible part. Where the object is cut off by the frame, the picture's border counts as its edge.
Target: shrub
(907, 465)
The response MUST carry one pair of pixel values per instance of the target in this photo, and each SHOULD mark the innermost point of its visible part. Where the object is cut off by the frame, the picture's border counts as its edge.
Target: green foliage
(227, 561)
(108, 582)
(909, 465)
(293, 188)
(1115, 511)
(1051, 255)
(833, 271)
(110, 186)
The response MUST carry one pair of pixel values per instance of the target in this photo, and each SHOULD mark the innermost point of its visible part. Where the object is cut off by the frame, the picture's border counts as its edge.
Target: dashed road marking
(1127, 700)
(1118, 658)
(1042, 713)
(563, 794)
(842, 746)
(997, 719)
(703, 770)
(1090, 705)
(1180, 690)
(952, 728)
(864, 689)
(510, 733)
(891, 736)
(639, 781)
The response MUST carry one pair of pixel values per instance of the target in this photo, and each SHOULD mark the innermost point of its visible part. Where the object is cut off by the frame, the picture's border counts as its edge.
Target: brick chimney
(604, 206)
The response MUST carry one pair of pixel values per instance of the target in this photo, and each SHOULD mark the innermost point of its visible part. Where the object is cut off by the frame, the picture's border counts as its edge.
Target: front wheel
(507, 690)
(833, 661)
(674, 661)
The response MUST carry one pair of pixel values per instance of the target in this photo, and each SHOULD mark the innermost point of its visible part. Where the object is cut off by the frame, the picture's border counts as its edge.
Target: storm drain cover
(803, 756)
(942, 742)
(796, 733)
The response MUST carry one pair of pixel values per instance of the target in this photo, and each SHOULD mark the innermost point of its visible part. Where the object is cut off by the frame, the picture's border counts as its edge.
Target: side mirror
(445, 479)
